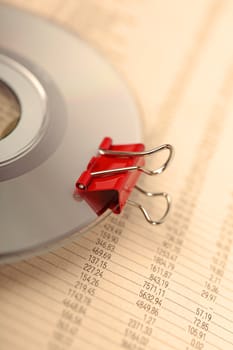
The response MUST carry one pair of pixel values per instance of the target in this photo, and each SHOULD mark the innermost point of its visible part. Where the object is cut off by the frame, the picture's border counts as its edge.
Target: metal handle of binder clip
(137, 154)
(148, 218)
(152, 172)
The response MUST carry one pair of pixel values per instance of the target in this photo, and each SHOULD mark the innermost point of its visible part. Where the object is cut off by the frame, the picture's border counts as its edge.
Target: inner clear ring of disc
(22, 131)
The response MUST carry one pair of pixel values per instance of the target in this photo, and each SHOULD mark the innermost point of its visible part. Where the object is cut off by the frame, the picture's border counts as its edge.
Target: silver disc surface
(70, 98)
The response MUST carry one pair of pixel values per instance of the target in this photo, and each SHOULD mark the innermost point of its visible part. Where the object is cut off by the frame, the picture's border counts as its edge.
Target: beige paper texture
(126, 284)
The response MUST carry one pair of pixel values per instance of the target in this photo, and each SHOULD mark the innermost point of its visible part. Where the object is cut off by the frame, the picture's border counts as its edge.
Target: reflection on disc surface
(83, 101)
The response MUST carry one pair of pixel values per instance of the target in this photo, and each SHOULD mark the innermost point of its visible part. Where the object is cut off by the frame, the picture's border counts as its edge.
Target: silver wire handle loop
(135, 154)
(145, 212)
(147, 172)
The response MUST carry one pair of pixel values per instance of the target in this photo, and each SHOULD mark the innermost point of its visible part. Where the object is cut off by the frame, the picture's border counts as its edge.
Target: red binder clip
(112, 175)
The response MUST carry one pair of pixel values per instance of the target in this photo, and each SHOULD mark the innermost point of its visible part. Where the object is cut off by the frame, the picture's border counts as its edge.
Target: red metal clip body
(100, 186)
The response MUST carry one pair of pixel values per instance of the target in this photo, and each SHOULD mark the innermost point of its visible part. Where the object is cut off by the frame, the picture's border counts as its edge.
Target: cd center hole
(9, 110)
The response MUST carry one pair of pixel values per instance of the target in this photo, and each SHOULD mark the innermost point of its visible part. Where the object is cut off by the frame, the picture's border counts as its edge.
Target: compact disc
(70, 98)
